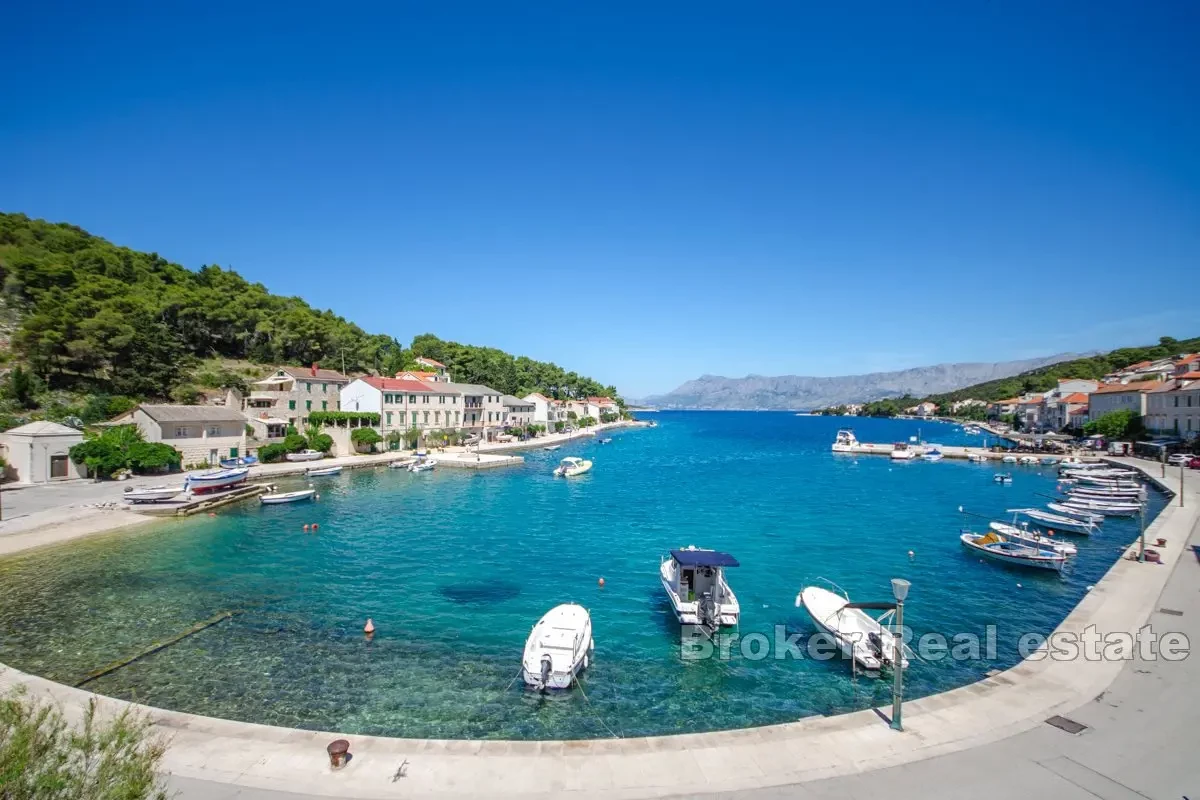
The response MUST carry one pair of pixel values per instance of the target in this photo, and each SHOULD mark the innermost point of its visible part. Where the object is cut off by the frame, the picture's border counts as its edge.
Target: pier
(951, 451)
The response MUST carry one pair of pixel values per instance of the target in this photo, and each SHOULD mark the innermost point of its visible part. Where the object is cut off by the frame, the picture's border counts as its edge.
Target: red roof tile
(1076, 397)
(398, 385)
(1140, 386)
(1188, 376)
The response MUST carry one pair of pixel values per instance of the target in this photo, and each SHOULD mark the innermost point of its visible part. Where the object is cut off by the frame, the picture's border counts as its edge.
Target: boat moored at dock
(863, 638)
(280, 498)
(995, 547)
(558, 648)
(1055, 522)
(845, 441)
(902, 452)
(320, 473)
(1022, 535)
(694, 580)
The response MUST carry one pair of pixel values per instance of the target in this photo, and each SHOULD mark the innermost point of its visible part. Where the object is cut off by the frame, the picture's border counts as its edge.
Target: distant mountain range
(801, 393)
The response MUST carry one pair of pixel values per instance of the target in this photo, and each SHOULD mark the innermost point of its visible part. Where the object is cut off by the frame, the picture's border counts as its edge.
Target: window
(442, 398)
(58, 467)
(181, 432)
(389, 418)
(412, 398)
(453, 399)
(387, 398)
(1177, 402)
(414, 418)
(308, 405)
(214, 430)
(324, 405)
(437, 417)
(427, 417)
(307, 386)
(425, 399)
(291, 405)
(324, 387)
(233, 452)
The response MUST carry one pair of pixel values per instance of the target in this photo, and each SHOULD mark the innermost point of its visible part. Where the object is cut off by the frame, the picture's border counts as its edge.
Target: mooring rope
(595, 713)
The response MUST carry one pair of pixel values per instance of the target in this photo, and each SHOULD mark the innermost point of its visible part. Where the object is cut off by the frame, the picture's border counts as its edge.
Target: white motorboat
(606, 440)
(1101, 474)
(422, 464)
(1075, 513)
(1071, 461)
(558, 648)
(977, 458)
(1116, 483)
(1028, 461)
(694, 580)
(971, 430)
(1055, 522)
(552, 447)
(320, 473)
(572, 466)
(400, 463)
(1101, 507)
(153, 494)
(1107, 492)
(860, 636)
(287, 497)
(994, 546)
(1002, 477)
(902, 452)
(932, 454)
(305, 455)
(1009, 459)
(217, 479)
(1049, 461)
(1023, 535)
(844, 442)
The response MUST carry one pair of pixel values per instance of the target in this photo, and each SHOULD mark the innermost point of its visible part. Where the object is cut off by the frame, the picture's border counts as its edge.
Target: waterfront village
(326, 411)
(1164, 394)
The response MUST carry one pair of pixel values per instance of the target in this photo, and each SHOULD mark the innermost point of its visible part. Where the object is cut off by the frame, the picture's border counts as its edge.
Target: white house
(40, 452)
(543, 408)
(437, 369)
(1173, 408)
(202, 434)
(1120, 397)
(517, 412)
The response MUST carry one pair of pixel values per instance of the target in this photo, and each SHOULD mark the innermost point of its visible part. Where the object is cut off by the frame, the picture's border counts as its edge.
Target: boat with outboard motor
(153, 494)
(279, 498)
(1002, 477)
(558, 648)
(1075, 513)
(1022, 535)
(572, 466)
(866, 640)
(1056, 522)
(994, 546)
(320, 473)
(694, 580)
(422, 464)
(932, 454)
(216, 479)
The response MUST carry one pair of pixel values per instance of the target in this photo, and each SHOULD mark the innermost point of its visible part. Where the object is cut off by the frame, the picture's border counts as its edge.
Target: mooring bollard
(339, 751)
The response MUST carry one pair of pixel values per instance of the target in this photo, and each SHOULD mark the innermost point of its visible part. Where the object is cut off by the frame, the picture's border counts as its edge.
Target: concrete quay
(949, 451)
(988, 739)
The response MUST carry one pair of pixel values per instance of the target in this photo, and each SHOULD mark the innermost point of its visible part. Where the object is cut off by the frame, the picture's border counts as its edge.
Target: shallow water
(456, 566)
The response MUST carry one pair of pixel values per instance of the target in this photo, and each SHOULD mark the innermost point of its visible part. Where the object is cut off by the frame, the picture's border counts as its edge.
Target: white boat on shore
(217, 479)
(558, 648)
(902, 452)
(305, 455)
(694, 581)
(844, 442)
(977, 458)
(861, 637)
(287, 497)
(153, 494)
(572, 466)
(320, 473)
(1022, 535)
(1055, 522)
(994, 546)
(552, 447)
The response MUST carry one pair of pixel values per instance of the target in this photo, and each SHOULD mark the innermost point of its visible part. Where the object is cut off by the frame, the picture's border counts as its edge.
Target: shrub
(365, 436)
(186, 394)
(608, 417)
(411, 437)
(149, 456)
(322, 442)
(394, 438)
(558, 426)
(271, 452)
(122, 447)
(42, 757)
(586, 422)
(294, 442)
(338, 417)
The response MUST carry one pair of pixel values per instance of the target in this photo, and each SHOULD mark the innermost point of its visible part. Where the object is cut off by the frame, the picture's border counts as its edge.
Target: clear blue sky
(641, 195)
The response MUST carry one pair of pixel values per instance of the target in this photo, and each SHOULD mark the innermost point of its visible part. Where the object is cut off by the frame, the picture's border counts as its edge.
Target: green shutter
(291, 405)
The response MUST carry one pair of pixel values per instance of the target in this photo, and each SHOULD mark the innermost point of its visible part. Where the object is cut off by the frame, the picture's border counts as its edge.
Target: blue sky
(643, 195)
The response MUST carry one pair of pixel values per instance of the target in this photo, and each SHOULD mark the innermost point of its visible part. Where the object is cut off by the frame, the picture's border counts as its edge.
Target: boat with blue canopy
(694, 580)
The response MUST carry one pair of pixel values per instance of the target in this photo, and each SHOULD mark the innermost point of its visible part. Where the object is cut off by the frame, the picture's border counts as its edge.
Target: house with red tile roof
(1120, 397)
(440, 370)
(404, 403)
(1173, 408)
(287, 396)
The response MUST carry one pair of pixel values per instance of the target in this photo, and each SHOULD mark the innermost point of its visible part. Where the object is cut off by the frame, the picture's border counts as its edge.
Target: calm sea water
(455, 567)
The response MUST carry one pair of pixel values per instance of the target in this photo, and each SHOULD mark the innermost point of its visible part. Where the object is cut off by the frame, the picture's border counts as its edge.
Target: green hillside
(88, 321)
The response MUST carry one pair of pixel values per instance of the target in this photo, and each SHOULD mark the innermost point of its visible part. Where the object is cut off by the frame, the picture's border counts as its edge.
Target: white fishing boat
(844, 442)
(571, 466)
(995, 547)
(1009, 459)
(400, 463)
(1106, 483)
(558, 648)
(1055, 522)
(694, 581)
(1101, 507)
(865, 639)
(153, 494)
(1071, 461)
(1049, 461)
(422, 464)
(1022, 535)
(1028, 461)
(217, 479)
(1075, 513)
(305, 455)
(320, 473)
(971, 430)
(932, 454)
(606, 440)
(286, 497)
(1107, 492)
(977, 458)
(1002, 477)
(1101, 474)
(552, 447)
(902, 452)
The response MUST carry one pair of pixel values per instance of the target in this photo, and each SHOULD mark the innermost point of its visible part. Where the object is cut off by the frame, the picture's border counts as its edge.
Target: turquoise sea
(455, 567)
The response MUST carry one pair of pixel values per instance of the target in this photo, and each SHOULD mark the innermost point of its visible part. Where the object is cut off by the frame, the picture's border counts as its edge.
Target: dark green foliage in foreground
(122, 447)
(271, 452)
(365, 436)
(889, 407)
(42, 758)
(339, 417)
(294, 443)
(1123, 424)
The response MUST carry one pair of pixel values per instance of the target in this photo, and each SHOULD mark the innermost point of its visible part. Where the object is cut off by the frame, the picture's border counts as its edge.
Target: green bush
(186, 394)
(42, 757)
(338, 417)
(608, 417)
(411, 437)
(586, 422)
(558, 426)
(122, 447)
(322, 442)
(394, 438)
(271, 452)
(365, 436)
(294, 443)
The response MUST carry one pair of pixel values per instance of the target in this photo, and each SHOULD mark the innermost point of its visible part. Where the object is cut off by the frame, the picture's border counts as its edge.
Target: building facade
(1173, 409)
(518, 413)
(1120, 397)
(39, 452)
(289, 395)
(201, 434)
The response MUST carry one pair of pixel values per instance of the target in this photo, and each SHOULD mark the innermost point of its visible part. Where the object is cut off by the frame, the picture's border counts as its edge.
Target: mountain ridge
(803, 392)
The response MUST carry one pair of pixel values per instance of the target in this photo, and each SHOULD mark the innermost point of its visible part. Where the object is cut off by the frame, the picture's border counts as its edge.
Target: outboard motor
(876, 645)
(547, 666)
(707, 612)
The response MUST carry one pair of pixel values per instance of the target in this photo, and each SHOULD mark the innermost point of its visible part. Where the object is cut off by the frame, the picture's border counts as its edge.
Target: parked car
(1179, 459)
(1195, 463)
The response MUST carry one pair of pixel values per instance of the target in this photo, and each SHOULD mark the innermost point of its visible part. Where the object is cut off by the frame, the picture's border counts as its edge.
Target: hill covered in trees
(88, 317)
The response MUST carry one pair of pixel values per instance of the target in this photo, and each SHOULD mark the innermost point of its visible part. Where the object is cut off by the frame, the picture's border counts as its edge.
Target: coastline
(1016, 700)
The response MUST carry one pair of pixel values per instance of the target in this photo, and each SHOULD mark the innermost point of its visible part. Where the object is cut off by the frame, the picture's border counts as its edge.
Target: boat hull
(1053, 562)
(563, 636)
(319, 473)
(287, 497)
(213, 481)
(305, 456)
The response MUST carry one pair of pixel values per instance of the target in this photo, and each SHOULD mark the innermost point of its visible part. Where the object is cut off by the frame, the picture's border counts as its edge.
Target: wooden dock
(201, 502)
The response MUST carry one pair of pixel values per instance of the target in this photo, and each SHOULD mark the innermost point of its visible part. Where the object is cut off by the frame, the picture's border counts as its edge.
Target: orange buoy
(315, 526)
(369, 628)
(601, 581)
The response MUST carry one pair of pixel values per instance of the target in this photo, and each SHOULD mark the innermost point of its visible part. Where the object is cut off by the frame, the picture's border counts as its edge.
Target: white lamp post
(899, 591)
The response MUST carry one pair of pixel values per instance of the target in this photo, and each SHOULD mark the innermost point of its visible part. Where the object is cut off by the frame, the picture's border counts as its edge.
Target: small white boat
(1055, 522)
(971, 430)
(400, 463)
(1002, 477)
(902, 452)
(1114, 483)
(1028, 461)
(1022, 535)
(571, 466)
(558, 648)
(994, 546)
(1049, 461)
(1070, 461)
(287, 497)
(845, 441)
(978, 458)
(217, 479)
(606, 440)
(152, 494)
(694, 581)
(860, 636)
(1101, 507)
(1009, 459)
(1107, 492)
(305, 455)
(320, 473)
(552, 447)
(422, 464)
(1075, 513)
(932, 454)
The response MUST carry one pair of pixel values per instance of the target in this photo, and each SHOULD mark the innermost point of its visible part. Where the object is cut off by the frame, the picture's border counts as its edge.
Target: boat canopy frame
(703, 558)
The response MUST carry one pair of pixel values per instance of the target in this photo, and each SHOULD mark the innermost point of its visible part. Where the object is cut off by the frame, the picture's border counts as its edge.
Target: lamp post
(899, 591)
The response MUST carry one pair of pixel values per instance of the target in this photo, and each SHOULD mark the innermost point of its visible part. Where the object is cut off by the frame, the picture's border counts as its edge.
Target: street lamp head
(900, 589)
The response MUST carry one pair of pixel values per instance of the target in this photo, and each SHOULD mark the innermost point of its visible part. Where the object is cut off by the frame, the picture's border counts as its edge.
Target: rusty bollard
(1153, 557)
(1161, 542)
(339, 751)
